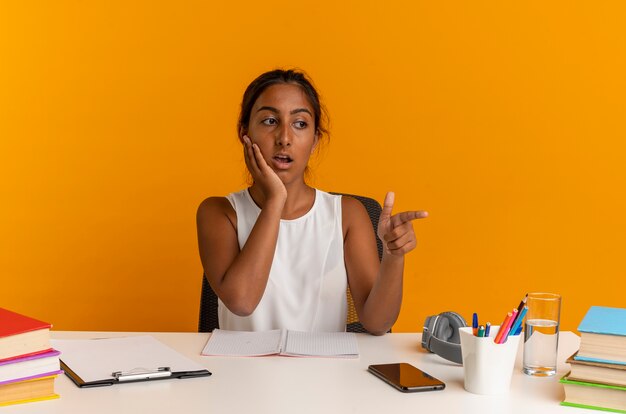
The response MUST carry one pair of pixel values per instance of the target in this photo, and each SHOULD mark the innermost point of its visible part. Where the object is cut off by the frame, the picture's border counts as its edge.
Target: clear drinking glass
(541, 334)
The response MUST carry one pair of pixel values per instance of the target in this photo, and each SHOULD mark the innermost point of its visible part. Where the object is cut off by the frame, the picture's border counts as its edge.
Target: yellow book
(36, 389)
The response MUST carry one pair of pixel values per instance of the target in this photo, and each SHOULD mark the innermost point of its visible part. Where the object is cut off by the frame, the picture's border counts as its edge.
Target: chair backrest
(208, 299)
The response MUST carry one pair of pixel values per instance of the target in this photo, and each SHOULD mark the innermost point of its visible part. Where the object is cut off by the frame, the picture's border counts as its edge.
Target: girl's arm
(239, 277)
(377, 287)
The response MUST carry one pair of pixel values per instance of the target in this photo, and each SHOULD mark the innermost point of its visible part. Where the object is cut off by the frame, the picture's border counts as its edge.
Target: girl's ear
(242, 132)
(316, 140)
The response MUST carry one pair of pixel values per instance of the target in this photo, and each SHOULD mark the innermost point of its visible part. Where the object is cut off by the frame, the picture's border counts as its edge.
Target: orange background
(505, 121)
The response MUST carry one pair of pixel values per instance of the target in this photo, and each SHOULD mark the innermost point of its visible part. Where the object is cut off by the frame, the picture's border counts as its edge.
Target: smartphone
(406, 378)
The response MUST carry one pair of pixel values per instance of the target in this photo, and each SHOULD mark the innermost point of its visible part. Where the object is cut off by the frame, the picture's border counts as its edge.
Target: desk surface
(305, 385)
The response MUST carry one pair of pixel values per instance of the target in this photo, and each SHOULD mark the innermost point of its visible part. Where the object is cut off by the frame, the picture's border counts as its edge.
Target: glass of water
(541, 334)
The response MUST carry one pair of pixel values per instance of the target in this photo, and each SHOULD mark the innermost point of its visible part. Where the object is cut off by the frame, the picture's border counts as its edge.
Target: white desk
(305, 385)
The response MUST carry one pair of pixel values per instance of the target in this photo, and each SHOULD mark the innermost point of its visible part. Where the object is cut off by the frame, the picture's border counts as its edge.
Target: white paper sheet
(96, 359)
(241, 343)
(326, 344)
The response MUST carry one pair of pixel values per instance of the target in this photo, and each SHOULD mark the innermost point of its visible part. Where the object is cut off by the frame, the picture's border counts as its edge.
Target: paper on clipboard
(95, 360)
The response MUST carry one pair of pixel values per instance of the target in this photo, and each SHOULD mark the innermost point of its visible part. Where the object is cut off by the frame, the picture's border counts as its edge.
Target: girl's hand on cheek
(262, 174)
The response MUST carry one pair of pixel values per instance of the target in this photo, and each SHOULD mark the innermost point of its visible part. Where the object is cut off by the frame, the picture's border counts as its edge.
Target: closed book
(593, 395)
(21, 335)
(28, 391)
(588, 371)
(603, 336)
(43, 351)
(29, 366)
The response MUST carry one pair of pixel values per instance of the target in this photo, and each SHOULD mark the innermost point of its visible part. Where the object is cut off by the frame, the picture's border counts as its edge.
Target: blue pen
(487, 329)
(519, 330)
(518, 321)
(475, 324)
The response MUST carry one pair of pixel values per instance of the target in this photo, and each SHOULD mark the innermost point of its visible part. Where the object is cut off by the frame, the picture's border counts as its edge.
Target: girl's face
(282, 124)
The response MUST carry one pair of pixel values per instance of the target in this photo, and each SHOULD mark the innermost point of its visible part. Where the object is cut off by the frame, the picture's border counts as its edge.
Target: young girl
(281, 254)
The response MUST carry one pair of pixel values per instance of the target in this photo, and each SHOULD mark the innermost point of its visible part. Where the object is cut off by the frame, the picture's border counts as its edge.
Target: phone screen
(405, 377)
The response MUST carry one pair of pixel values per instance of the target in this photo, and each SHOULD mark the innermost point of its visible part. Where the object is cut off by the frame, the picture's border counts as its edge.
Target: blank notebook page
(329, 344)
(240, 343)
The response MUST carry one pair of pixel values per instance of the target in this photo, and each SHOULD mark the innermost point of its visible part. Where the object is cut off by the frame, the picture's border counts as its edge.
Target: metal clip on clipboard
(139, 374)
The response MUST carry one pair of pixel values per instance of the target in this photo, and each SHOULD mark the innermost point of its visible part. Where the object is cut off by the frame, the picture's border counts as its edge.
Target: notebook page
(323, 344)
(243, 343)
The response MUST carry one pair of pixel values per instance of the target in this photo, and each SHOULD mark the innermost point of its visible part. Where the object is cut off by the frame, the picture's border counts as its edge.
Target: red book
(22, 335)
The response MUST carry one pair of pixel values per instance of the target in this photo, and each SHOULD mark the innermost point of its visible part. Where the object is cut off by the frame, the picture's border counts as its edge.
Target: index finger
(405, 216)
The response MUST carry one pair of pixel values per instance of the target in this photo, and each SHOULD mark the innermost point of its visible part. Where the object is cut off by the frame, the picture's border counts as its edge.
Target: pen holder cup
(488, 366)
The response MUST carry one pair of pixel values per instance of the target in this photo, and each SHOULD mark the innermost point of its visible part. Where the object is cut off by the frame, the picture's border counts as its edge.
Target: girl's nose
(283, 136)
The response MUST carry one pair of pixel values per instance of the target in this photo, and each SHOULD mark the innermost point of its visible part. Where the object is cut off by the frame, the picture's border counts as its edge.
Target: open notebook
(282, 342)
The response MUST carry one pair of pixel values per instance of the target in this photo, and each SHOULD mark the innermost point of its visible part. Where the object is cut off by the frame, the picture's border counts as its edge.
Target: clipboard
(110, 361)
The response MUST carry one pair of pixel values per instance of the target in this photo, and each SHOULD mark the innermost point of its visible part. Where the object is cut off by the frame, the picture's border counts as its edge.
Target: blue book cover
(603, 320)
(600, 360)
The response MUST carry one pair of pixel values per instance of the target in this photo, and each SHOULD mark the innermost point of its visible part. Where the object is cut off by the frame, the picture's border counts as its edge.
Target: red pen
(507, 320)
(507, 327)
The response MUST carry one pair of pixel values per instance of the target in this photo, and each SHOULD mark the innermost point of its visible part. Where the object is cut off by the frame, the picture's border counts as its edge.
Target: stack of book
(598, 376)
(28, 365)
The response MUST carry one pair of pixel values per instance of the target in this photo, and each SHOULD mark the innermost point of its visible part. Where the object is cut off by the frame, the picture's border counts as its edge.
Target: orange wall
(505, 121)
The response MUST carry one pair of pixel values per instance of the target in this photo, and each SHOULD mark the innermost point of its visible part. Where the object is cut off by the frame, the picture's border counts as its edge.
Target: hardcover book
(588, 371)
(31, 390)
(603, 336)
(30, 366)
(594, 396)
(22, 335)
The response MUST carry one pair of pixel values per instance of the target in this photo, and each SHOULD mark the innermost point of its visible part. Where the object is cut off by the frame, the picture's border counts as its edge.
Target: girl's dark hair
(278, 76)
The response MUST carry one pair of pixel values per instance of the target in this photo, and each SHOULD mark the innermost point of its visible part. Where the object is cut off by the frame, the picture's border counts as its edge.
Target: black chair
(208, 299)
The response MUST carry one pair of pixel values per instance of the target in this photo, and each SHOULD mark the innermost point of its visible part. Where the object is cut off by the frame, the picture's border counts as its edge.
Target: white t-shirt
(306, 289)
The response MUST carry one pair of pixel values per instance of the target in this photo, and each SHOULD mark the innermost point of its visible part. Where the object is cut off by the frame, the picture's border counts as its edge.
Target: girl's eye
(270, 121)
(300, 124)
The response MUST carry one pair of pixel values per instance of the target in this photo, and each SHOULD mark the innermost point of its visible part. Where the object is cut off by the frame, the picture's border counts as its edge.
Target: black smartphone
(406, 378)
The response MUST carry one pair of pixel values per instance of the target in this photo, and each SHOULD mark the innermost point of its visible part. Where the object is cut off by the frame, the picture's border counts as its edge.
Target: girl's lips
(281, 163)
